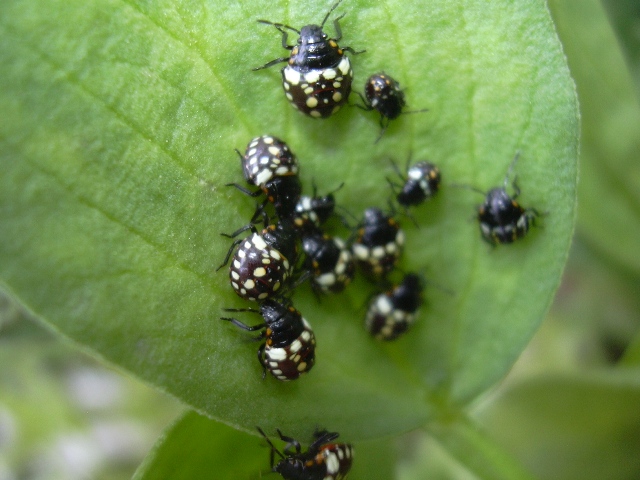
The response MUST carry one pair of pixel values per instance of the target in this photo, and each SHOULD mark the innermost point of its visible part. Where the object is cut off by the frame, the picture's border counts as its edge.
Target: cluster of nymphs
(292, 245)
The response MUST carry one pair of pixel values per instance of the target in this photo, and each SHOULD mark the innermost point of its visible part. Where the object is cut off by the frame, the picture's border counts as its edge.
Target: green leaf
(569, 427)
(117, 136)
(609, 193)
(198, 447)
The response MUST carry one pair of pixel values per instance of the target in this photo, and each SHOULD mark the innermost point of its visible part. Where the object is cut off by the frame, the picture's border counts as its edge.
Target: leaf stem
(472, 447)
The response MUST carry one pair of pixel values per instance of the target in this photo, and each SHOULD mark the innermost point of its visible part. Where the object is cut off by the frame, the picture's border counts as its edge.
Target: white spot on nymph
(360, 251)
(259, 272)
(259, 242)
(340, 453)
(282, 170)
(295, 346)
(337, 96)
(251, 152)
(289, 96)
(391, 247)
(291, 76)
(326, 279)
(242, 253)
(329, 74)
(312, 102)
(235, 275)
(302, 366)
(337, 84)
(237, 264)
(308, 90)
(415, 173)
(264, 176)
(273, 150)
(263, 295)
(286, 86)
(304, 204)
(267, 139)
(315, 113)
(277, 354)
(399, 316)
(377, 252)
(344, 66)
(384, 305)
(264, 160)
(249, 284)
(275, 254)
(306, 334)
(332, 462)
(400, 237)
(312, 76)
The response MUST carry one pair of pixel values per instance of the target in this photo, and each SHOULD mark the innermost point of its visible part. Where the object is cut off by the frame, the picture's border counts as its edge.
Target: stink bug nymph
(317, 78)
(289, 344)
(383, 94)
(263, 262)
(502, 219)
(391, 313)
(378, 244)
(325, 459)
(270, 164)
(330, 262)
(422, 182)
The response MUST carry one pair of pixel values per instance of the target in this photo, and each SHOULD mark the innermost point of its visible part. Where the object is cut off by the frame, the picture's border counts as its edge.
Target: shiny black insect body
(289, 344)
(269, 164)
(391, 313)
(325, 459)
(378, 244)
(330, 262)
(502, 219)
(263, 261)
(383, 94)
(318, 75)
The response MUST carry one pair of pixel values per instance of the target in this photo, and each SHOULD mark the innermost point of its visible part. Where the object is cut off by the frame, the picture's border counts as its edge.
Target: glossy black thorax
(314, 50)
(407, 296)
(284, 193)
(499, 209)
(321, 251)
(282, 236)
(377, 228)
(383, 94)
(284, 322)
